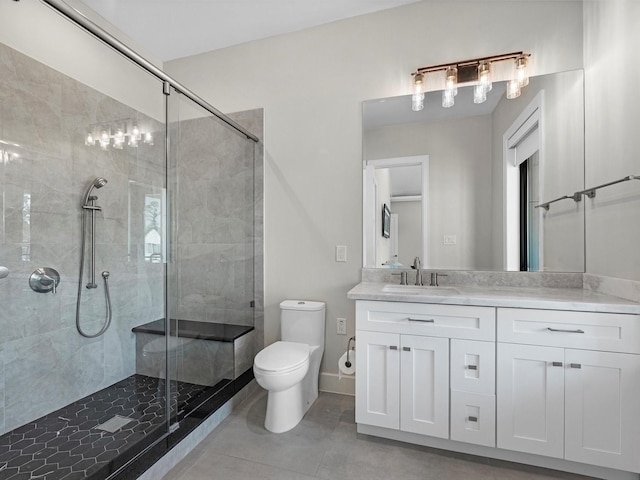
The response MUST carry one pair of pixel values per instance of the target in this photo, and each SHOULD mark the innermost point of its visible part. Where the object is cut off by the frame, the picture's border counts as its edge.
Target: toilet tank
(302, 321)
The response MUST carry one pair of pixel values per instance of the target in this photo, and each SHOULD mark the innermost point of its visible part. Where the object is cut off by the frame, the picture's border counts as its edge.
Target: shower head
(99, 182)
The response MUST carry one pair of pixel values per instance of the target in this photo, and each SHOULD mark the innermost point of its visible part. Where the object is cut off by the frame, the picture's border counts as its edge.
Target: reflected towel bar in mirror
(589, 192)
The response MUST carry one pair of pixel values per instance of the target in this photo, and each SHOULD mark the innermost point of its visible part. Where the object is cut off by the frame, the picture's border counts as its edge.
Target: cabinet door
(378, 379)
(601, 409)
(530, 399)
(424, 385)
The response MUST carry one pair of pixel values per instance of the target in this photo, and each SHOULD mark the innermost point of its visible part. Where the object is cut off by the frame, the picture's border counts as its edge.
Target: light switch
(450, 240)
(341, 253)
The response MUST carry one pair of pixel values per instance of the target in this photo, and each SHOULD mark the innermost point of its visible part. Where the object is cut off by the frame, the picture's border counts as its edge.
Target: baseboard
(330, 382)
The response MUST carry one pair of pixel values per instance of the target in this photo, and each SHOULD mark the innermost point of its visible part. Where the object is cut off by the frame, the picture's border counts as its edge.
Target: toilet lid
(281, 356)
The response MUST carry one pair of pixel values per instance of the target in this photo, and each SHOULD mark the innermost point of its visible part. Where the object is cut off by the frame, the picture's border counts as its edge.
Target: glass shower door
(211, 267)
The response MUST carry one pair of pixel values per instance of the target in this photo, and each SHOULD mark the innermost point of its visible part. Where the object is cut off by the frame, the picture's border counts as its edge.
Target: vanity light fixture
(476, 72)
(116, 134)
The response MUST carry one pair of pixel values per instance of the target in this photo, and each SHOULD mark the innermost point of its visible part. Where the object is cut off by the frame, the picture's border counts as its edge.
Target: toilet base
(284, 409)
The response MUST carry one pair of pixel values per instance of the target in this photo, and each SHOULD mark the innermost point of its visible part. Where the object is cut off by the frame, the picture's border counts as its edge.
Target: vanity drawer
(452, 321)
(473, 418)
(613, 332)
(473, 366)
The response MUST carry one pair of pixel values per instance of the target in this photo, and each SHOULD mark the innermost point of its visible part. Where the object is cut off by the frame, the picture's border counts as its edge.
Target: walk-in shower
(89, 209)
(102, 377)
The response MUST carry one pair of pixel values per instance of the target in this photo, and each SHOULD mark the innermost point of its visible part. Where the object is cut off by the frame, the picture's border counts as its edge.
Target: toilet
(289, 369)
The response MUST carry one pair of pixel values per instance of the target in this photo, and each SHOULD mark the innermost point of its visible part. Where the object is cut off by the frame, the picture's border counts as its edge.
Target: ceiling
(171, 29)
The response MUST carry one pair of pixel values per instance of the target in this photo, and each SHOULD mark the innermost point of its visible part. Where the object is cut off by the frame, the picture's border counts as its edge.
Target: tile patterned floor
(325, 445)
(65, 445)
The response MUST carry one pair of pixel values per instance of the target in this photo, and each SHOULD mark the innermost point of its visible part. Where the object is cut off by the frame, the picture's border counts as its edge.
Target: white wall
(612, 76)
(311, 84)
(409, 230)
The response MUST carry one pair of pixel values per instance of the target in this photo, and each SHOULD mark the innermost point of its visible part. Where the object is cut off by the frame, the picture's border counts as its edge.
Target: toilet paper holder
(348, 363)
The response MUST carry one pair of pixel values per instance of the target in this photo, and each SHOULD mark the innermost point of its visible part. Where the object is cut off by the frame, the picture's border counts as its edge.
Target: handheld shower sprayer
(99, 182)
(89, 205)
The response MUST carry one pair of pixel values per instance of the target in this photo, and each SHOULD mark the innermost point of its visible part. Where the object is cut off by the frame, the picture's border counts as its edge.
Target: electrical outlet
(341, 253)
(450, 240)
(341, 326)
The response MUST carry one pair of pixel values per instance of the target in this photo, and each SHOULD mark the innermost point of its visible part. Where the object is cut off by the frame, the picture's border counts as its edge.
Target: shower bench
(203, 353)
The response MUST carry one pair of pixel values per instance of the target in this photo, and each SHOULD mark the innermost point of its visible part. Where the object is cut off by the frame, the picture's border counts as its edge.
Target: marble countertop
(516, 297)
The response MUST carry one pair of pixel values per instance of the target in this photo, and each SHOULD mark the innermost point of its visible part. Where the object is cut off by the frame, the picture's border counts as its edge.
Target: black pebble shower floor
(65, 445)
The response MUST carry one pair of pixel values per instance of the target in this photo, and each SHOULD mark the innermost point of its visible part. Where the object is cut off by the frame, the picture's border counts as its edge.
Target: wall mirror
(464, 184)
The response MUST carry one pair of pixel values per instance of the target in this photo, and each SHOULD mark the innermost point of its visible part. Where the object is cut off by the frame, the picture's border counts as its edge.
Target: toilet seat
(282, 357)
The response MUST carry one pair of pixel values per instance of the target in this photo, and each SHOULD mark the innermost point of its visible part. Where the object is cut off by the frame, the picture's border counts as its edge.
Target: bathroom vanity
(543, 376)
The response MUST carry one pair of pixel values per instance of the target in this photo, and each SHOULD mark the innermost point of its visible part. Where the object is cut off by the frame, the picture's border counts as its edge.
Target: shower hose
(107, 296)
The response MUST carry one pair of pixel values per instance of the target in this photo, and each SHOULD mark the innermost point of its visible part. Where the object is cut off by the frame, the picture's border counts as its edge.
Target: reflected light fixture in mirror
(475, 72)
(417, 100)
(115, 134)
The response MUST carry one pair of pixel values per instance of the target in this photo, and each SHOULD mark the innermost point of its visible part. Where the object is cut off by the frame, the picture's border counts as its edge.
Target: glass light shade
(451, 78)
(417, 102)
(521, 71)
(448, 98)
(479, 94)
(89, 141)
(513, 89)
(148, 138)
(484, 76)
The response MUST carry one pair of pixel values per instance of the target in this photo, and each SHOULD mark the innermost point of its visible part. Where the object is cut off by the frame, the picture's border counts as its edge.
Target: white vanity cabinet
(405, 356)
(569, 385)
(407, 382)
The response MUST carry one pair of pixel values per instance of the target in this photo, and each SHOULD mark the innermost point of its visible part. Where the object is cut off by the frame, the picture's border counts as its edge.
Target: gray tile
(301, 449)
(241, 448)
(231, 468)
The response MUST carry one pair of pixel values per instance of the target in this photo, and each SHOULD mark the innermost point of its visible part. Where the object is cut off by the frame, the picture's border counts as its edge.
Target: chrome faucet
(416, 265)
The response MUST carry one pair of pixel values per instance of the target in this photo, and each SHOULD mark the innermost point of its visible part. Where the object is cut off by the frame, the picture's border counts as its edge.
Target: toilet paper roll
(342, 367)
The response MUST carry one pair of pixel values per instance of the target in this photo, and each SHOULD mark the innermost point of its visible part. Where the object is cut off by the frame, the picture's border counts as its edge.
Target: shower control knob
(4, 272)
(44, 280)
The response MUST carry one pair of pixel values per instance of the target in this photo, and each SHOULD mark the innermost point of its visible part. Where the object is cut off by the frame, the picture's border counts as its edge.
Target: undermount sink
(419, 290)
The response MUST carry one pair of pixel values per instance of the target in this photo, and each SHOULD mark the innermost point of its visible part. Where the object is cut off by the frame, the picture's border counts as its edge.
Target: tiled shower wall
(219, 219)
(45, 169)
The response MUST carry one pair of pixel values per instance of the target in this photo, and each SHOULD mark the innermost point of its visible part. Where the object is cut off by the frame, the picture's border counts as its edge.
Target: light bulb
(148, 138)
(89, 141)
(521, 71)
(118, 139)
(104, 139)
(418, 82)
(479, 94)
(484, 76)
(513, 89)
(135, 133)
(448, 98)
(451, 79)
